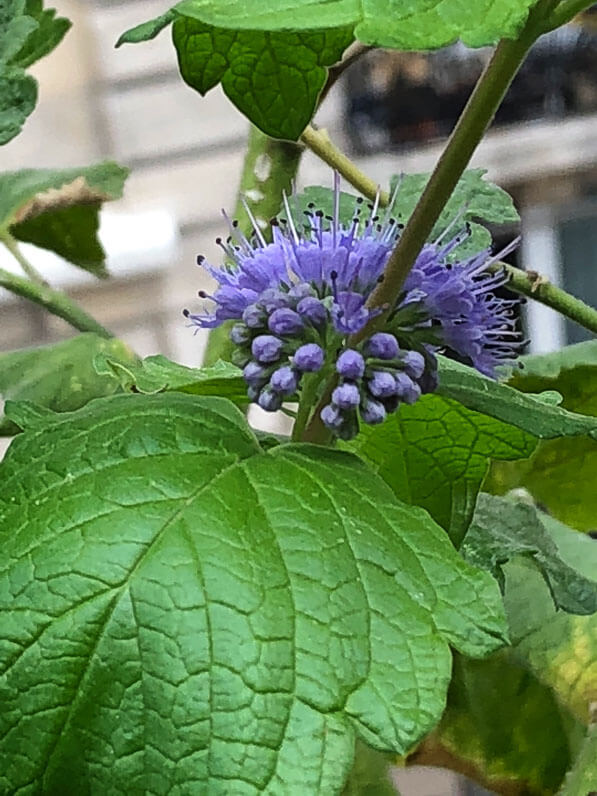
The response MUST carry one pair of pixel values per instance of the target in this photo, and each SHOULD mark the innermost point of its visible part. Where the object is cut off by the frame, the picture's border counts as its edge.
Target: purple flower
(382, 384)
(266, 348)
(312, 287)
(285, 321)
(332, 417)
(239, 334)
(254, 316)
(309, 357)
(269, 400)
(414, 364)
(350, 364)
(346, 396)
(373, 412)
(312, 310)
(407, 389)
(254, 373)
(284, 380)
(382, 346)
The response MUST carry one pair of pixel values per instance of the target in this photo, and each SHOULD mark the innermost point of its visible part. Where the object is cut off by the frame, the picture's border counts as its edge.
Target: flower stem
(269, 169)
(54, 301)
(319, 142)
(308, 399)
(13, 247)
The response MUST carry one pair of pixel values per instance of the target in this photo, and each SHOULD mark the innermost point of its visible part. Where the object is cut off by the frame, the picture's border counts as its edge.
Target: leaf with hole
(59, 209)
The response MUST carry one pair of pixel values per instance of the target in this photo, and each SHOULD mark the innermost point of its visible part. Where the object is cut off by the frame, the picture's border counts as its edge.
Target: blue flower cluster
(298, 300)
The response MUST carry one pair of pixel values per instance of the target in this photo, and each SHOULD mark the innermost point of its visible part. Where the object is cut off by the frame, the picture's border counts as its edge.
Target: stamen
(253, 221)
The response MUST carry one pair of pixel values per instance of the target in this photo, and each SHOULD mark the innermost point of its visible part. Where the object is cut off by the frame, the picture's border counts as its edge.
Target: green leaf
(410, 25)
(182, 610)
(531, 413)
(60, 377)
(582, 779)
(58, 209)
(18, 97)
(45, 36)
(273, 78)
(147, 30)
(473, 198)
(159, 374)
(435, 454)
(27, 33)
(502, 728)
(560, 649)
(561, 474)
(502, 528)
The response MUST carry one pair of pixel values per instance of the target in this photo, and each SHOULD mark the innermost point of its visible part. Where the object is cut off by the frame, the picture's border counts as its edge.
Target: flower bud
(285, 322)
(284, 381)
(346, 396)
(350, 364)
(382, 384)
(266, 348)
(373, 412)
(309, 357)
(382, 346)
(312, 310)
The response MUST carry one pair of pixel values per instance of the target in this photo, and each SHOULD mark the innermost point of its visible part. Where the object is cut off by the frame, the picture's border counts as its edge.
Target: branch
(319, 142)
(539, 288)
(13, 247)
(55, 301)
(565, 12)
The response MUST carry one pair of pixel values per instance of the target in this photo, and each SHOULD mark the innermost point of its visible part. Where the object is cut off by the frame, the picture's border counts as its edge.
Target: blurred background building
(391, 111)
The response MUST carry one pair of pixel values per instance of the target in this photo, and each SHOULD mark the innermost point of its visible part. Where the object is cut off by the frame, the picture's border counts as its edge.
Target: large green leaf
(503, 528)
(160, 374)
(562, 473)
(435, 454)
(60, 377)
(58, 209)
(27, 33)
(401, 24)
(560, 649)
(182, 611)
(274, 78)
